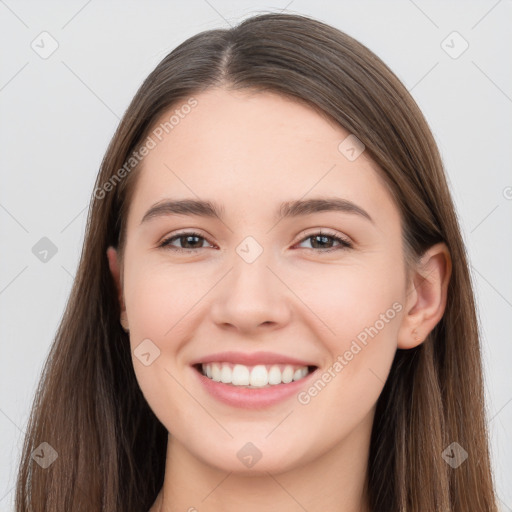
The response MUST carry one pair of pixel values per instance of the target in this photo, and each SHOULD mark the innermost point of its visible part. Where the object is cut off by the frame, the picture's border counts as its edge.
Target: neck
(332, 482)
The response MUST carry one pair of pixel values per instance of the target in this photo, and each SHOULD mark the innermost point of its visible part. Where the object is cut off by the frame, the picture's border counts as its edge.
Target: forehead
(253, 149)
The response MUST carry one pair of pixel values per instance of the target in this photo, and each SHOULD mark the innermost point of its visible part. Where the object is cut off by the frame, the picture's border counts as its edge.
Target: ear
(116, 271)
(426, 296)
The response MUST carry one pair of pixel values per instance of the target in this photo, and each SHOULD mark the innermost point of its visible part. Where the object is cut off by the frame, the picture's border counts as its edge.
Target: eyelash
(344, 244)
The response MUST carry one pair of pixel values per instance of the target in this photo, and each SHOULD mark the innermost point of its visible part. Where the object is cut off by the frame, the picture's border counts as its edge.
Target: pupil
(323, 238)
(187, 238)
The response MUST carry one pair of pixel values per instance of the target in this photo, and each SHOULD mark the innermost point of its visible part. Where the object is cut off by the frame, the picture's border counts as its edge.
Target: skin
(250, 152)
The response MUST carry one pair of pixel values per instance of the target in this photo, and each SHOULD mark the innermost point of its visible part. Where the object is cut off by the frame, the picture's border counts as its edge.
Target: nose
(251, 297)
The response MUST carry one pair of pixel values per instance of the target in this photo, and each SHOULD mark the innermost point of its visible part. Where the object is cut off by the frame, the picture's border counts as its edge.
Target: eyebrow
(288, 209)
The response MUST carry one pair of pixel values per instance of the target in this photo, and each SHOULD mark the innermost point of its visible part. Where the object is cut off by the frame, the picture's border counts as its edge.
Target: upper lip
(251, 359)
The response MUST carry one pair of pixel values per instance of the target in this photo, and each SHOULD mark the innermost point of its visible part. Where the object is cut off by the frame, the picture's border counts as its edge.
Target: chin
(253, 458)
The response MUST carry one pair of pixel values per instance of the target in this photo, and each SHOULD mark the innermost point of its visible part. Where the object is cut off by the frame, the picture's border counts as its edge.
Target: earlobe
(115, 270)
(427, 296)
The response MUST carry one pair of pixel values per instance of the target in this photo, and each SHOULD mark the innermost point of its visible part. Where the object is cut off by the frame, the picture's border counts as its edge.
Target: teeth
(240, 375)
(288, 374)
(253, 376)
(225, 374)
(297, 375)
(259, 376)
(215, 372)
(274, 376)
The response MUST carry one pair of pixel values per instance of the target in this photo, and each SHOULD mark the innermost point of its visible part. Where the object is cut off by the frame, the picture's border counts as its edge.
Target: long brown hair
(111, 447)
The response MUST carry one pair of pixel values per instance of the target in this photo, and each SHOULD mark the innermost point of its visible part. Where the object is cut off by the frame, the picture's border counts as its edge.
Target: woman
(273, 309)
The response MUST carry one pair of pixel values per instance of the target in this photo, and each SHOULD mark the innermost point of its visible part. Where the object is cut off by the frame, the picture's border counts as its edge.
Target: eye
(324, 241)
(320, 240)
(190, 238)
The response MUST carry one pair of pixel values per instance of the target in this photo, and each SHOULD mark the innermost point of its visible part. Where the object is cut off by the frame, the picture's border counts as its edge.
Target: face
(262, 292)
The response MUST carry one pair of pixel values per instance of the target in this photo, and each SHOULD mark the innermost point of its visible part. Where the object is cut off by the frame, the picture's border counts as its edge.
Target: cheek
(362, 309)
(159, 303)
(348, 387)
(350, 298)
(158, 298)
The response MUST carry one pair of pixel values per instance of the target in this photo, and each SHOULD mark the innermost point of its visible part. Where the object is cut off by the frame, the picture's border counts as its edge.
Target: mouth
(253, 377)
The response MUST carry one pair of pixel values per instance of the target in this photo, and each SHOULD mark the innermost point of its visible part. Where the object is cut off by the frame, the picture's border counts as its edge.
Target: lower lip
(252, 398)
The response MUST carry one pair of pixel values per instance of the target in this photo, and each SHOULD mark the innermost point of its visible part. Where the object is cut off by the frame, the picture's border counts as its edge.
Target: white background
(58, 114)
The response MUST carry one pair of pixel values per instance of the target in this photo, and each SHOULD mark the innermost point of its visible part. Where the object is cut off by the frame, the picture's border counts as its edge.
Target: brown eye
(190, 241)
(325, 241)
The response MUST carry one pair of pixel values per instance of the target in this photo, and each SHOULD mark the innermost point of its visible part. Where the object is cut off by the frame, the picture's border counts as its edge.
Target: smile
(257, 376)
